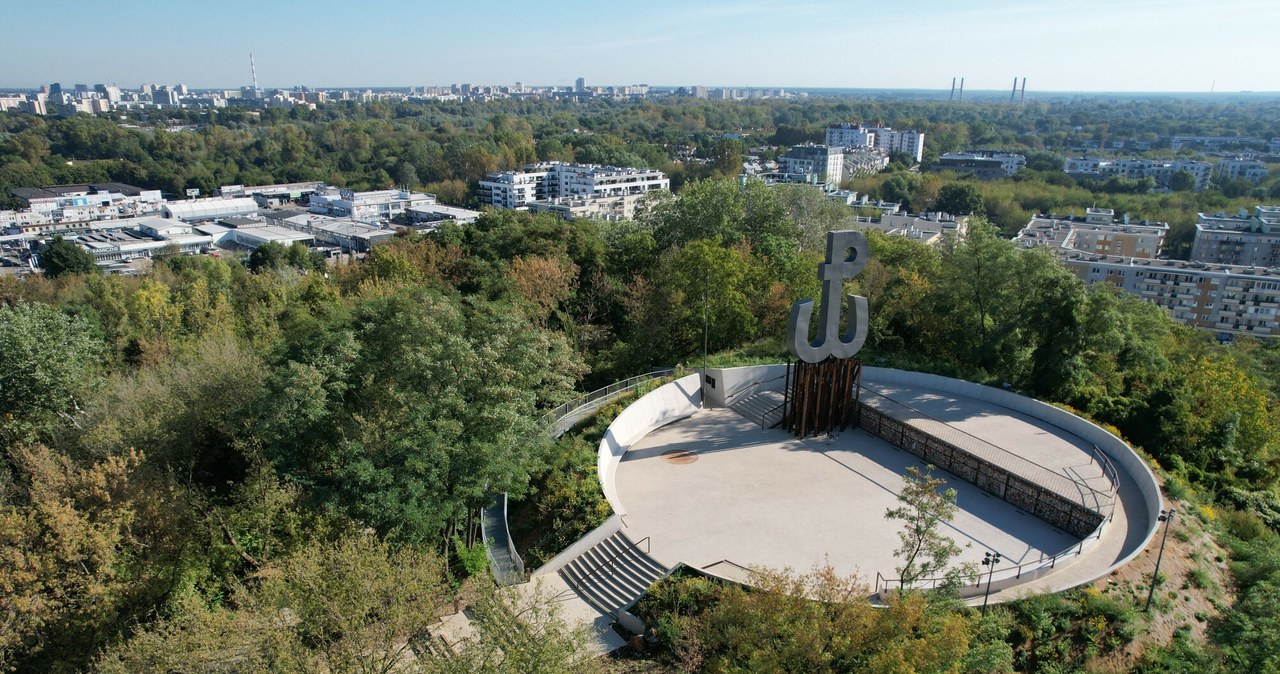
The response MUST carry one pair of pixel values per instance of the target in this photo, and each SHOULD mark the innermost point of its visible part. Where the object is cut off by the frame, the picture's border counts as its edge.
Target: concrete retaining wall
(1122, 456)
(1125, 460)
(730, 381)
(596, 536)
(671, 402)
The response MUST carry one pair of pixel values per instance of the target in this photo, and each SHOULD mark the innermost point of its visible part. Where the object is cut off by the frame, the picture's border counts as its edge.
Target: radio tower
(253, 69)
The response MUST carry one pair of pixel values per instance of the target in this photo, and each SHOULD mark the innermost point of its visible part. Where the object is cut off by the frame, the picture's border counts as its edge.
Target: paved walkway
(716, 492)
(764, 498)
(457, 628)
(1025, 446)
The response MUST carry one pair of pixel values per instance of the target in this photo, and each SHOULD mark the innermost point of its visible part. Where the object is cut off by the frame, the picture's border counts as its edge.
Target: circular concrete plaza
(740, 497)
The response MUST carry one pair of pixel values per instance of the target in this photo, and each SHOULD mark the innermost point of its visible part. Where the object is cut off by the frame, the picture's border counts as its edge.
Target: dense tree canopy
(61, 257)
(189, 453)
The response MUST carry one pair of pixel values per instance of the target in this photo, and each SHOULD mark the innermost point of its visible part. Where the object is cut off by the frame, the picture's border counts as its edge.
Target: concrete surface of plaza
(1028, 443)
(747, 497)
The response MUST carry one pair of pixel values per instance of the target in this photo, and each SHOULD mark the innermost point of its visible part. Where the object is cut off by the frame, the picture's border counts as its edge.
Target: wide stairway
(612, 575)
(764, 408)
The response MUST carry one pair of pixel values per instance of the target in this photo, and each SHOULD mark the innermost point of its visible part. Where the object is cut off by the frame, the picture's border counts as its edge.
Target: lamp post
(990, 560)
(1166, 516)
(705, 328)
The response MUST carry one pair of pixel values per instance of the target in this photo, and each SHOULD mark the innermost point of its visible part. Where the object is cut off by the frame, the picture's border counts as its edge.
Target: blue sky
(1073, 45)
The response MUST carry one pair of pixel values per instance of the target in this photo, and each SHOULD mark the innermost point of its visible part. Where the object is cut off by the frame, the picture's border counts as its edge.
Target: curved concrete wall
(1122, 455)
(732, 380)
(671, 402)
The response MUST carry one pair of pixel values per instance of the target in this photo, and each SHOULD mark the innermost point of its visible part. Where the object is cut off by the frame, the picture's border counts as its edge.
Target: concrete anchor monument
(821, 383)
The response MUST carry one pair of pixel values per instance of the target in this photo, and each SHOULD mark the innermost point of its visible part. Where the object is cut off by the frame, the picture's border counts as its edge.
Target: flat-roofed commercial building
(195, 210)
(375, 206)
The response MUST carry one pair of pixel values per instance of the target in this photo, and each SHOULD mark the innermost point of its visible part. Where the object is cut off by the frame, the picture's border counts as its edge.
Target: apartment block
(1161, 170)
(1240, 167)
(983, 164)
(375, 206)
(1240, 239)
(558, 180)
(622, 207)
(1097, 233)
(1229, 300)
(909, 142)
(824, 162)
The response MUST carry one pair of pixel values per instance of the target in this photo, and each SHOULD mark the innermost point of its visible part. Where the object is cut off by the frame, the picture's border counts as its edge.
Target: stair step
(613, 574)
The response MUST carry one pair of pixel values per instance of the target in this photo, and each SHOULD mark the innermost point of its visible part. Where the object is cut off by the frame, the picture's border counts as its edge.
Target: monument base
(820, 397)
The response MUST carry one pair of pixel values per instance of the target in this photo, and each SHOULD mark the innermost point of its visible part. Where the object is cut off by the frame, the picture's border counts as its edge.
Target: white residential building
(862, 161)
(927, 228)
(558, 180)
(907, 142)
(621, 207)
(1249, 169)
(850, 135)
(1161, 170)
(825, 162)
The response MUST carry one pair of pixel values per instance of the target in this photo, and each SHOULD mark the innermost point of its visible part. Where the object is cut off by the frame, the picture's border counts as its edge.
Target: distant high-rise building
(580, 85)
(850, 135)
(908, 142)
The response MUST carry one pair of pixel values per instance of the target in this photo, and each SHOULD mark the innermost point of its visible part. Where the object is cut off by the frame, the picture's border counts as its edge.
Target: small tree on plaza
(924, 504)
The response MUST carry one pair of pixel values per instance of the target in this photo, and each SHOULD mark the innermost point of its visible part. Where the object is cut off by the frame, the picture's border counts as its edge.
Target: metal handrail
(775, 408)
(511, 545)
(753, 386)
(555, 420)
(611, 561)
(597, 397)
(1035, 472)
(1014, 571)
(1109, 472)
(572, 405)
(704, 567)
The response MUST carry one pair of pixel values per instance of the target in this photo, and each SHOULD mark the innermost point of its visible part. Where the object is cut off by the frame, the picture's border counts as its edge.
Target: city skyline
(912, 45)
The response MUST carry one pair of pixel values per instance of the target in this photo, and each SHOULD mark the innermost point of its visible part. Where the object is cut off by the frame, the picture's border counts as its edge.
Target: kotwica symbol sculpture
(847, 254)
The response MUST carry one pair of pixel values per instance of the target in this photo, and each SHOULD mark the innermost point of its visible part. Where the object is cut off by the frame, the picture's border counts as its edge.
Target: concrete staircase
(764, 408)
(612, 575)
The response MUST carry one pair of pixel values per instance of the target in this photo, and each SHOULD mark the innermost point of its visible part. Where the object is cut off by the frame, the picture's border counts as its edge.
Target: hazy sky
(1058, 45)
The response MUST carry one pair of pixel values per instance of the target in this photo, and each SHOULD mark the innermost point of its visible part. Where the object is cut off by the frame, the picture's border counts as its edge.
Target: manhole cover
(679, 456)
